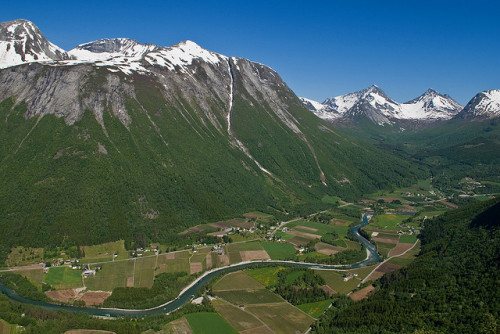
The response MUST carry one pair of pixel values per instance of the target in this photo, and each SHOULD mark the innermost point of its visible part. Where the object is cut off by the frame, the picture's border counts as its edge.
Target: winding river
(187, 294)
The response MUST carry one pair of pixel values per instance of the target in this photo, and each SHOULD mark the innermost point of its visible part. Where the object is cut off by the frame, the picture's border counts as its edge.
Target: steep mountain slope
(373, 104)
(484, 105)
(140, 148)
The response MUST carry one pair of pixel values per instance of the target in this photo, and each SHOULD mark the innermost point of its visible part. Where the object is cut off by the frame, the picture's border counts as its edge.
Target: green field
(335, 281)
(208, 323)
(279, 250)
(315, 309)
(406, 238)
(144, 272)
(235, 316)
(237, 281)
(384, 248)
(104, 252)
(244, 297)
(250, 246)
(267, 276)
(35, 276)
(387, 222)
(282, 318)
(63, 278)
(179, 264)
(111, 275)
(322, 229)
(407, 258)
(233, 252)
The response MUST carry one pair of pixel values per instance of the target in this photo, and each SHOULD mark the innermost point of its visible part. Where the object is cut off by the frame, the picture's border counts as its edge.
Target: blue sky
(320, 48)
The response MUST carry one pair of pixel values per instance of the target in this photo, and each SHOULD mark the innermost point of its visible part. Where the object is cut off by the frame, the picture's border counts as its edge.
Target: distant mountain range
(373, 104)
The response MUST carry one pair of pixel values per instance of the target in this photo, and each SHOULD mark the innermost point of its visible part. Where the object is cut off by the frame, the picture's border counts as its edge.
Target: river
(187, 294)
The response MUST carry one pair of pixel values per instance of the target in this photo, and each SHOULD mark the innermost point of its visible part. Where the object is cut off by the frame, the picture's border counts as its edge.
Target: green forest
(451, 287)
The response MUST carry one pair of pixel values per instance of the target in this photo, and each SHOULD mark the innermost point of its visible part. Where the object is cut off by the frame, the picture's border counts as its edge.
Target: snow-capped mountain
(430, 105)
(484, 105)
(109, 48)
(374, 104)
(22, 42)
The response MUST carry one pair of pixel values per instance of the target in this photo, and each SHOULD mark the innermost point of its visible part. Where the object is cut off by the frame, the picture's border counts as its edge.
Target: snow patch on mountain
(484, 105)
(430, 105)
(105, 49)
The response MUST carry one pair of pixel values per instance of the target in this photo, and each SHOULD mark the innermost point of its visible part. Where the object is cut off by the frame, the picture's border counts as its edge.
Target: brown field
(130, 282)
(383, 269)
(197, 228)
(328, 290)
(254, 255)
(195, 267)
(304, 235)
(240, 319)
(255, 215)
(95, 297)
(363, 293)
(258, 330)
(64, 296)
(170, 256)
(299, 241)
(310, 229)
(179, 326)
(385, 240)
(338, 222)
(216, 234)
(209, 260)
(326, 249)
(222, 225)
(399, 249)
(223, 260)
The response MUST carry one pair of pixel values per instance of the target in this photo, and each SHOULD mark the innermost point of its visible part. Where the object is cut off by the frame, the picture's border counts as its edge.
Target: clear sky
(320, 48)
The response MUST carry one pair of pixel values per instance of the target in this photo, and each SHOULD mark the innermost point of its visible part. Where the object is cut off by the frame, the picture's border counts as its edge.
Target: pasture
(63, 278)
(111, 275)
(267, 276)
(238, 280)
(282, 317)
(279, 250)
(388, 222)
(208, 323)
(245, 297)
(315, 309)
(240, 319)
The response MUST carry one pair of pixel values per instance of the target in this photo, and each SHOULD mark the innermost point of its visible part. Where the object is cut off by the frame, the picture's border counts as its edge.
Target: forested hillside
(452, 286)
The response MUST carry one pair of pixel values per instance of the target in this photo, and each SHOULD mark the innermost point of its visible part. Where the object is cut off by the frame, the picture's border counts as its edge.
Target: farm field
(406, 238)
(279, 251)
(144, 272)
(315, 309)
(111, 275)
(238, 280)
(35, 276)
(63, 278)
(240, 319)
(233, 252)
(208, 323)
(387, 222)
(245, 297)
(104, 252)
(267, 276)
(282, 317)
(407, 258)
(317, 228)
(5, 328)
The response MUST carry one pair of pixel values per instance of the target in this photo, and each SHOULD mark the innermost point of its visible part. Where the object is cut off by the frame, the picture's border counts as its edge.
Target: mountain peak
(484, 105)
(107, 48)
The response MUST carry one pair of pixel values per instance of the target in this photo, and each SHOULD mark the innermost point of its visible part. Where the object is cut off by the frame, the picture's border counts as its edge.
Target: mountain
(138, 142)
(484, 105)
(430, 106)
(21, 42)
(373, 104)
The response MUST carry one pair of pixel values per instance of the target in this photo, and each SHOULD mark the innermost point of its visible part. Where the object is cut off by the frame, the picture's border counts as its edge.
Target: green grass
(387, 222)
(282, 235)
(330, 199)
(63, 278)
(406, 238)
(208, 323)
(267, 276)
(35, 276)
(279, 250)
(244, 297)
(407, 258)
(315, 309)
(237, 281)
(292, 276)
(250, 246)
(282, 318)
